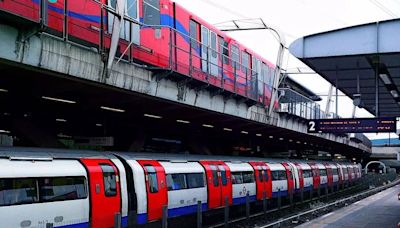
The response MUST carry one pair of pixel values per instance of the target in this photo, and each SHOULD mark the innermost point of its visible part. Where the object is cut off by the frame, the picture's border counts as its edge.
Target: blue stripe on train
(281, 193)
(79, 225)
(85, 17)
(242, 200)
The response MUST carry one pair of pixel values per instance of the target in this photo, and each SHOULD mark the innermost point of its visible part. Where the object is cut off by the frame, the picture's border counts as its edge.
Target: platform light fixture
(385, 78)
(112, 109)
(281, 139)
(4, 90)
(152, 116)
(244, 132)
(58, 100)
(271, 136)
(259, 135)
(183, 121)
(208, 125)
(61, 120)
(5, 131)
(99, 125)
(227, 129)
(290, 140)
(394, 93)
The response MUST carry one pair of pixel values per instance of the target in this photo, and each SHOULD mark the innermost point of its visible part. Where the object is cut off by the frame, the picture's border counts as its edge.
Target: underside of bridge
(44, 109)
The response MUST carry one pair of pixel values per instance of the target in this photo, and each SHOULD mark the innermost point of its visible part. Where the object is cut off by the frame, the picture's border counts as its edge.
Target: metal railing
(294, 103)
(183, 54)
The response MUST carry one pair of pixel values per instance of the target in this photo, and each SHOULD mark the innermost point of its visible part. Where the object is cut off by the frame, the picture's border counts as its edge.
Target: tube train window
(335, 171)
(248, 177)
(223, 175)
(176, 181)
(184, 181)
(151, 178)
(214, 175)
(151, 12)
(110, 180)
(62, 188)
(16, 191)
(278, 175)
(322, 172)
(195, 180)
(237, 178)
(307, 173)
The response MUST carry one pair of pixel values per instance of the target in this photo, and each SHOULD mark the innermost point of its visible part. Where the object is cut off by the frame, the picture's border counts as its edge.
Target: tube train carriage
(87, 189)
(170, 37)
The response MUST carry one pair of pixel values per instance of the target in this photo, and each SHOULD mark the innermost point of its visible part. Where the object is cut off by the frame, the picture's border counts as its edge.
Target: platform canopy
(362, 61)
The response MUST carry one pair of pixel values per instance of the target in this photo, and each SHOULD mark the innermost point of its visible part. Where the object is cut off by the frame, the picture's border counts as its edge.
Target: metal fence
(294, 103)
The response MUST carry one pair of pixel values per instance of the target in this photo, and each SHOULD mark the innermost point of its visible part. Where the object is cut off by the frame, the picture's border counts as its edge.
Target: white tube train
(63, 188)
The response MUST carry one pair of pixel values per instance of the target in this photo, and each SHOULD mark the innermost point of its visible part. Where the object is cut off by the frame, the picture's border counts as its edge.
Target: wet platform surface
(378, 211)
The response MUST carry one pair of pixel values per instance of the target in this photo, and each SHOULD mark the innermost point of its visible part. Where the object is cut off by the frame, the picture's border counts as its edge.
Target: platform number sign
(311, 126)
(347, 125)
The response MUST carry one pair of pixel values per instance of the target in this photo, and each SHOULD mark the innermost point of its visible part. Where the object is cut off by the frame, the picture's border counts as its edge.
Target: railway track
(290, 215)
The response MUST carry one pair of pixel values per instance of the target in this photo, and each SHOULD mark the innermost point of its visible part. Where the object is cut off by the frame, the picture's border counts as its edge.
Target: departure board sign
(362, 125)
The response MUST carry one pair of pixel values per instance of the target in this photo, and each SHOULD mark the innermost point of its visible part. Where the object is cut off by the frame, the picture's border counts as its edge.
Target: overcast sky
(295, 19)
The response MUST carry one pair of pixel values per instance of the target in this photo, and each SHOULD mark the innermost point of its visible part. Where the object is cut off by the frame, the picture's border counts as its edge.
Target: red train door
(315, 173)
(156, 188)
(301, 179)
(329, 173)
(105, 193)
(289, 175)
(349, 171)
(219, 183)
(262, 175)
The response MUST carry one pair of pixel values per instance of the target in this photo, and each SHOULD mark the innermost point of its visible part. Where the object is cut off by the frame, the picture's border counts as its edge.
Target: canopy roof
(355, 58)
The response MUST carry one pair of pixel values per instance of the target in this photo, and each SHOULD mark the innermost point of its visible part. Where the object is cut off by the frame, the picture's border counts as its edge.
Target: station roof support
(362, 61)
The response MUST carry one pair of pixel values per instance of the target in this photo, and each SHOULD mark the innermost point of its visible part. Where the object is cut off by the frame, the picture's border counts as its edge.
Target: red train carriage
(165, 35)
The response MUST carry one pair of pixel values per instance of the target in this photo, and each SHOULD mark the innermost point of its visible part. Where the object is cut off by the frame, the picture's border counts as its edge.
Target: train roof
(53, 153)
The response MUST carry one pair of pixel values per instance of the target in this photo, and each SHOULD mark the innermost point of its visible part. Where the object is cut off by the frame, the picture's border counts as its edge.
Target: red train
(166, 36)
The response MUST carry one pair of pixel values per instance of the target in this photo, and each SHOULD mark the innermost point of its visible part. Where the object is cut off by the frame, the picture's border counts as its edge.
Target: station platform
(380, 210)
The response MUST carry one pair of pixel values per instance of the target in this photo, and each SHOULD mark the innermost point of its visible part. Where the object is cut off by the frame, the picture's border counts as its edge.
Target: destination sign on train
(361, 125)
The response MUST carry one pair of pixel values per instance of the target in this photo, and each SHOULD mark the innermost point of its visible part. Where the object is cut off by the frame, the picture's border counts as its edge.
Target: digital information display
(361, 125)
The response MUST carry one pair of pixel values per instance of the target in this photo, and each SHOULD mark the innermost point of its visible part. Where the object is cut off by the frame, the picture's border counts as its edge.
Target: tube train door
(289, 175)
(262, 174)
(219, 185)
(105, 192)
(156, 188)
(315, 173)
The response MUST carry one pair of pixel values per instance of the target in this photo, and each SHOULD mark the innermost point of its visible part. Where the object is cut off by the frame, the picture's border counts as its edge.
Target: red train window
(152, 178)
(110, 180)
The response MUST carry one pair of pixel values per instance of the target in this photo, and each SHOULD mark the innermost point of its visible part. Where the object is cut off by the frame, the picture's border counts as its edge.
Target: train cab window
(195, 180)
(62, 188)
(110, 180)
(235, 57)
(245, 62)
(214, 171)
(152, 178)
(224, 179)
(18, 191)
(176, 181)
(151, 12)
(322, 172)
(194, 34)
(248, 177)
(237, 178)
